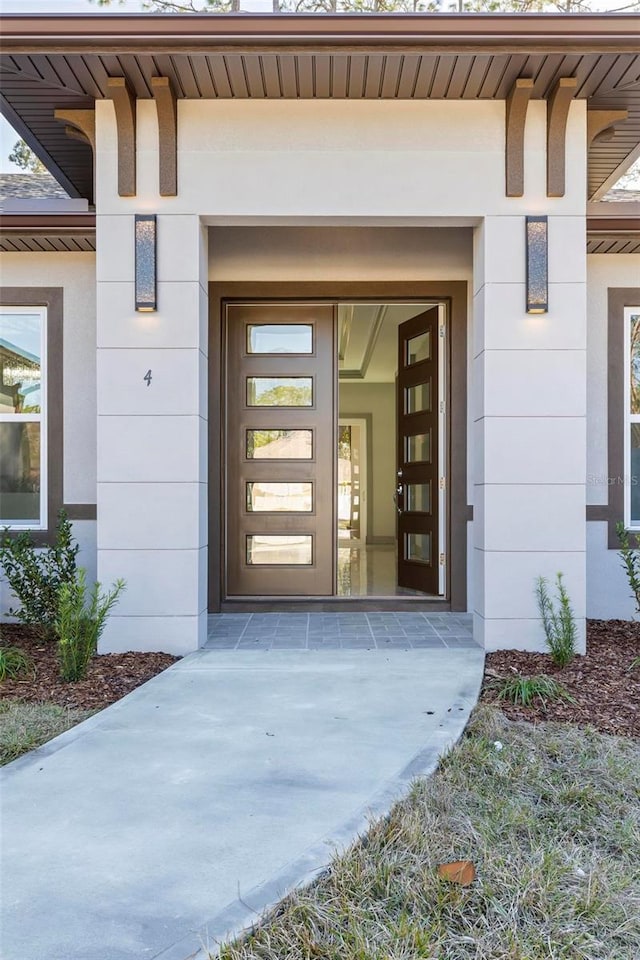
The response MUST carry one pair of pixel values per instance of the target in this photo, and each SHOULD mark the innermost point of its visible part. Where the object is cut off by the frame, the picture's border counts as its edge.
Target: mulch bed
(605, 689)
(110, 676)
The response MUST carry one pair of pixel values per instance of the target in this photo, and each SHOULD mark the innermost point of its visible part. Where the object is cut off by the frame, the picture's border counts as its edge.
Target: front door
(417, 453)
(280, 449)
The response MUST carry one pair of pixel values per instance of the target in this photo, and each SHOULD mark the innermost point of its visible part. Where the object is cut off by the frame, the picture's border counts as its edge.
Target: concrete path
(173, 818)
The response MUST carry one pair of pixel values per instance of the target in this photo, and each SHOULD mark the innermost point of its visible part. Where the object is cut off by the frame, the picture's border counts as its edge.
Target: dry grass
(552, 822)
(25, 726)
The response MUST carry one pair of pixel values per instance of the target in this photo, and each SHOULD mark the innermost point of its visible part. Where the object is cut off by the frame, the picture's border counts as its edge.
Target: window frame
(629, 418)
(40, 418)
(50, 301)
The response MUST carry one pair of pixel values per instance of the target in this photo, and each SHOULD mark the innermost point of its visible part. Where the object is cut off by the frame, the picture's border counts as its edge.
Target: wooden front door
(417, 453)
(280, 449)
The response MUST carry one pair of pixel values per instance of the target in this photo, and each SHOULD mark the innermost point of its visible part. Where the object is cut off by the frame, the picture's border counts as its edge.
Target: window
(31, 440)
(632, 417)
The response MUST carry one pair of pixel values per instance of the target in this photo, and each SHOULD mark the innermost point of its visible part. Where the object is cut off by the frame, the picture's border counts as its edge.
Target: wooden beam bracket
(124, 104)
(557, 114)
(80, 124)
(601, 124)
(516, 117)
(167, 109)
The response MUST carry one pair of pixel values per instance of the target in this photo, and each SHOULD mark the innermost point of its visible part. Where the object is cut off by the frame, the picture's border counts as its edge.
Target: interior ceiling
(414, 61)
(368, 339)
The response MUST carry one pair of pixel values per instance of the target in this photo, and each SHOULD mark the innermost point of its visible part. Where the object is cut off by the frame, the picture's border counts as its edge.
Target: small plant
(630, 563)
(81, 619)
(14, 662)
(559, 624)
(524, 690)
(635, 664)
(36, 574)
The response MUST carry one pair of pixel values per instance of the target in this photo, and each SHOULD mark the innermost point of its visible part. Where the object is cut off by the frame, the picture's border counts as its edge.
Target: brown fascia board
(613, 225)
(186, 32)
(48, 222)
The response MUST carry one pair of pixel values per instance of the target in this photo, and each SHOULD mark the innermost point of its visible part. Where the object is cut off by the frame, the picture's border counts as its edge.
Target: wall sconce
(537, 265)
(146, 300)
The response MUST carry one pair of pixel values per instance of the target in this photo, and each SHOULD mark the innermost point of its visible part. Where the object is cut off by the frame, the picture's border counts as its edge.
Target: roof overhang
(48, 233)
(61, 61)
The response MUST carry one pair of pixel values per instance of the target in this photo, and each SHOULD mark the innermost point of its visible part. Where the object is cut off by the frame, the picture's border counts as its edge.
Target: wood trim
(454, 293)
(141, 32)
(516, 118)
(557, 115)
(612, 512)
(53, 299)
(613, 224)
(124, 103)
(167, 110)
(81, 511)
(600, 122)
(81, 124)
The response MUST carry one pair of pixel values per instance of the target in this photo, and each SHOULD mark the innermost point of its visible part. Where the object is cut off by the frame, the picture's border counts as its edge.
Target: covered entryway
(335, 449)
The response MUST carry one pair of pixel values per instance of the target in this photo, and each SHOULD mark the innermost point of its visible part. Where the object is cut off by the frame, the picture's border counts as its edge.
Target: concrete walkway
(173, 818)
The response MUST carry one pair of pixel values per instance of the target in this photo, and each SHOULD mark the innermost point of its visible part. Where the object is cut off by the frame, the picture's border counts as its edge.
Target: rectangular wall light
(146, 300)
(537, 265)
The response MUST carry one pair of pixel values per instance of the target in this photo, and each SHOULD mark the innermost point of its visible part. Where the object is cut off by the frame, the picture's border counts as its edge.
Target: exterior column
(529, 423)
(152, 435)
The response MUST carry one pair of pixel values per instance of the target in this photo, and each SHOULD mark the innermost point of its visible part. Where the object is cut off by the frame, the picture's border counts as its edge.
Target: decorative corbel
(167, 109)
(557, 113)
(81, 125)
(124, 104)
(517, 104)
(601, 123)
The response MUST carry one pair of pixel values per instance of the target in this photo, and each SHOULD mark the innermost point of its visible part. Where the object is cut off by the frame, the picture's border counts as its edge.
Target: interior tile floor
(339, 631)
(369, 570)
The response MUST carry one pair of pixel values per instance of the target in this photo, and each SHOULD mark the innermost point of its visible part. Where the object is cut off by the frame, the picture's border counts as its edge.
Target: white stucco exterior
(338, 190)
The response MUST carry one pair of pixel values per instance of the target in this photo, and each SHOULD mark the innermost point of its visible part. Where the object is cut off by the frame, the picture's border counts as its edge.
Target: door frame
(453, 293)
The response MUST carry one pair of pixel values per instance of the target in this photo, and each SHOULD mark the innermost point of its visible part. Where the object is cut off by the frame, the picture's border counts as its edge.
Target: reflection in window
(418, 398)
(279, 338)
(279, 444)
(418, 448)
(279, 391)
(418, 497)
(419, 348)
(281, 550)
(417, 547)
(20, 473)
(22, 428)
(270, 497)
(20, 349)
(632, 417)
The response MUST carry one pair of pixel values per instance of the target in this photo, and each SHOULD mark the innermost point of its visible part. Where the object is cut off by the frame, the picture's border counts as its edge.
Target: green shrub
(81, 619)
(36, 574)
(630, 563)
(524, 690)
(14, 662)
(559, 624)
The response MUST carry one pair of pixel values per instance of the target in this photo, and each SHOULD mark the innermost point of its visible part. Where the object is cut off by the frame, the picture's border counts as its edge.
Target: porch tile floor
(343, 631)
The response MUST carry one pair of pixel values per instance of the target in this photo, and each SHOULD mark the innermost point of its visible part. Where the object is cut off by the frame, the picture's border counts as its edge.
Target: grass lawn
(25, 726)
(551, 821)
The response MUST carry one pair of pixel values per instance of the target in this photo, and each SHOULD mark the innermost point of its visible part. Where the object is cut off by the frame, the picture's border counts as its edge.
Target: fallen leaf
(460, 871)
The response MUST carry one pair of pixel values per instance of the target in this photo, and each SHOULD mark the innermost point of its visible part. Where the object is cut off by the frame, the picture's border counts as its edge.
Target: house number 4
(147, 377)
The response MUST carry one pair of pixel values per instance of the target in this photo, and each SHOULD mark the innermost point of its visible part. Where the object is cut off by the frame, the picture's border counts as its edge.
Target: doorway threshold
(334, 604)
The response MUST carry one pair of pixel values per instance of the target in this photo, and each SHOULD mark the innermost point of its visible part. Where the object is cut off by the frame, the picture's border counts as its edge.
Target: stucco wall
(344, 164)
(76, 274)
(607, 589)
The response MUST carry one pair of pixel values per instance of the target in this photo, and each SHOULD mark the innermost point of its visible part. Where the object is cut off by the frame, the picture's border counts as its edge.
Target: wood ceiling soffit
(516, 116)
(124, 104)
(600, 124)
(166, 107)
(557, 114)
